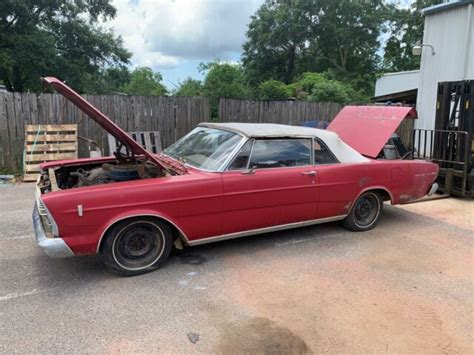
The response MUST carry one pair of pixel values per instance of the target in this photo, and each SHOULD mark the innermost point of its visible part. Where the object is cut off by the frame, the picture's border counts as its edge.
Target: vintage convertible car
(221, 181)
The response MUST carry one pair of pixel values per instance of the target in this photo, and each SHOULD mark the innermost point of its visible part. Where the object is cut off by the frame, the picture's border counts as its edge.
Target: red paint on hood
(368, 128)
(104, 121)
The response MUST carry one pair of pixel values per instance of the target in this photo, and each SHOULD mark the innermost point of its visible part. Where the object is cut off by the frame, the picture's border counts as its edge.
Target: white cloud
(165, 33)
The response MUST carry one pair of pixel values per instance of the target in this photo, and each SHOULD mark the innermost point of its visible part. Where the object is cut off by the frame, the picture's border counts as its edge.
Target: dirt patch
(397, 292)
(260, 336)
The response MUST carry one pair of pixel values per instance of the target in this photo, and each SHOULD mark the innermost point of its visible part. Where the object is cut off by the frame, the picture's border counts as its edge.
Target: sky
(174, 36)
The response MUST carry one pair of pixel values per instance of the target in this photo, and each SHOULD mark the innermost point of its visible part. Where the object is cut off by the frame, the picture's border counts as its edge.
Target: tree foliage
(312, 87)
(406, 28)
(56, 37)
(189, 87)
(143, 81)
(107, 81)
(223, 80)
(273, 90)
(288, 37)
(324, 87)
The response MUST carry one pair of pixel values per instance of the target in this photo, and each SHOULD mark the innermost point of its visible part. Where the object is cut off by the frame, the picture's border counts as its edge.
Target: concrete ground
(405, 287)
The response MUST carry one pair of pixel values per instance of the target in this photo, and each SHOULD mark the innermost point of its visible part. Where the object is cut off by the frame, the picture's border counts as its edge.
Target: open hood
(368, 128)
(104, 121)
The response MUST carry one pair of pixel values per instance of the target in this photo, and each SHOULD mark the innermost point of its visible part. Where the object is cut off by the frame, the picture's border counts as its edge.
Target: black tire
(137, 246)
(365, 212)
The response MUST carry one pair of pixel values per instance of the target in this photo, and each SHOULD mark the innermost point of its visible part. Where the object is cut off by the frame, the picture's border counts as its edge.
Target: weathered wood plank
(51, 138)
(31, 177)
(29, 168)
(51, 128)
(49, 157)
(58, 147)
(5, 144)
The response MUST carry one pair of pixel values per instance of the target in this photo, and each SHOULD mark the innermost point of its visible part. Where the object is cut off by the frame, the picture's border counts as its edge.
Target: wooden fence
(284, 111)
(172, 116)
(293, 113)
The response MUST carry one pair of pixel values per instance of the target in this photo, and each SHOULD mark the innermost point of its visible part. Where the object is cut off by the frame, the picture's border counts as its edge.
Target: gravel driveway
(405, 287)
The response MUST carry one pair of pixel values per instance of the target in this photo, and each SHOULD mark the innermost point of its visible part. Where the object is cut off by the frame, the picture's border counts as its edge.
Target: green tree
(108, 81)
(54, 37)
(189, 87)
(277, 36)
(143, 81)
(329, 91)
(223, 80)
(288, 37)
(273, 90)
(406, 28)
(346, 35)
(324, 87)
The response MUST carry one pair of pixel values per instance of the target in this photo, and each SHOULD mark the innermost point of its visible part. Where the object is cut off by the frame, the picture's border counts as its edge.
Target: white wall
(397, 82)
(450, 33)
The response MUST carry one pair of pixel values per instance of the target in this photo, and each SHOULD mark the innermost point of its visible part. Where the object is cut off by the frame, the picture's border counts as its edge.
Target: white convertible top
(343, 152)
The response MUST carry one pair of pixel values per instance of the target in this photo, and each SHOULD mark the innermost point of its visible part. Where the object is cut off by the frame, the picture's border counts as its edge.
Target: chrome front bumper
(53, 247)
(433, 189)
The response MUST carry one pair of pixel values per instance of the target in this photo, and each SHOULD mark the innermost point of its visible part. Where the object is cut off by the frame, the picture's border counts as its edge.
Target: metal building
(447, 55)
(448, 29)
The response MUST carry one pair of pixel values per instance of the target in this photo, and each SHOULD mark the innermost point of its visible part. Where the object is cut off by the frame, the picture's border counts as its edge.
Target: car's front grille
(45, 221)
(41, 208)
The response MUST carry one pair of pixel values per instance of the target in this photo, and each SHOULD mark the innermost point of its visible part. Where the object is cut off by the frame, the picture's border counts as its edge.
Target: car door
(270, 182)
(337, 183)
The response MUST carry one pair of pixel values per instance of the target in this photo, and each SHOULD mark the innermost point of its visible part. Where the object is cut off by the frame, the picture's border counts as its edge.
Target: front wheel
(136, 246)
(365, 213)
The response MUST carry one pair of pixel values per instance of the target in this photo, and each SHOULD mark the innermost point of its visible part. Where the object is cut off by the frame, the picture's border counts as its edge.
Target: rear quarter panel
(339, 185)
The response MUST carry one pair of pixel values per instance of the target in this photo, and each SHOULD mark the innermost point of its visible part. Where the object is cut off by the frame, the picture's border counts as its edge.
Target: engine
(74, 176)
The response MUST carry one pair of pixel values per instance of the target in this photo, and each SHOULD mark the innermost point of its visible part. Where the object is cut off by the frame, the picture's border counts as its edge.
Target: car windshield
(204, 148)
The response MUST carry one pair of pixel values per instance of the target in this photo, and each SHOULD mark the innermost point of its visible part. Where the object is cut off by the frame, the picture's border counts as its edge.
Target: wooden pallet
(150, 140)
(45, 143)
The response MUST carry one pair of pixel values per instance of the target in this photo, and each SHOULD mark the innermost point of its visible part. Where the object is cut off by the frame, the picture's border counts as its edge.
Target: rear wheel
(136, 246)
(365, 213)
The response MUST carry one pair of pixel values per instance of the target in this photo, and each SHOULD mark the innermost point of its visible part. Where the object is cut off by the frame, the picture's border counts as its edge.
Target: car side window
(322, 155)
(274, 153)
(240, 162)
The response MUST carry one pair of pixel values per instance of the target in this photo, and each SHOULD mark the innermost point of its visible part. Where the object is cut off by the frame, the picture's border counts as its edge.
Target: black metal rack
(450, 144)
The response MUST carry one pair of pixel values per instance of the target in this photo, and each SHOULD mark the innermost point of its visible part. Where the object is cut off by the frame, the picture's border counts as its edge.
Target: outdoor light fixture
(416, 50)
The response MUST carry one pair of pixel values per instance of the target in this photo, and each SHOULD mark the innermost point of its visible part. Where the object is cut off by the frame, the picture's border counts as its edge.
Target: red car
(221, 181)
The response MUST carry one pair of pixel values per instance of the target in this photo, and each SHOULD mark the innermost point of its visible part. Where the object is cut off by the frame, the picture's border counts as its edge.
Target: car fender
(141, 213)
(370, 188)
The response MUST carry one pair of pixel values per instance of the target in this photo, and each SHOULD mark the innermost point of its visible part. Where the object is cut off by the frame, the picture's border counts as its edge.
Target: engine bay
(75, 176)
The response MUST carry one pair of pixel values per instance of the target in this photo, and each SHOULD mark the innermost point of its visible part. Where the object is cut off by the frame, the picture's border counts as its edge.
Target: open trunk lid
(368, 128)
(104, 121)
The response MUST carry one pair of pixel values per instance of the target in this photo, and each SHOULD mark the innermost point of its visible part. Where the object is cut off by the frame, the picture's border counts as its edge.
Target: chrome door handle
(310, 173)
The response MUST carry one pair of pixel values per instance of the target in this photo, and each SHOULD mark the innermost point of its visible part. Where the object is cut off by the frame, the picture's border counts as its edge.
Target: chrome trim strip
(233, 154)
(53, 247)
(236, 153)
(265, 230)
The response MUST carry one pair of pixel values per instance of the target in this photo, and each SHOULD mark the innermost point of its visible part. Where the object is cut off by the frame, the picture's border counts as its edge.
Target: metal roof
(445, 6)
